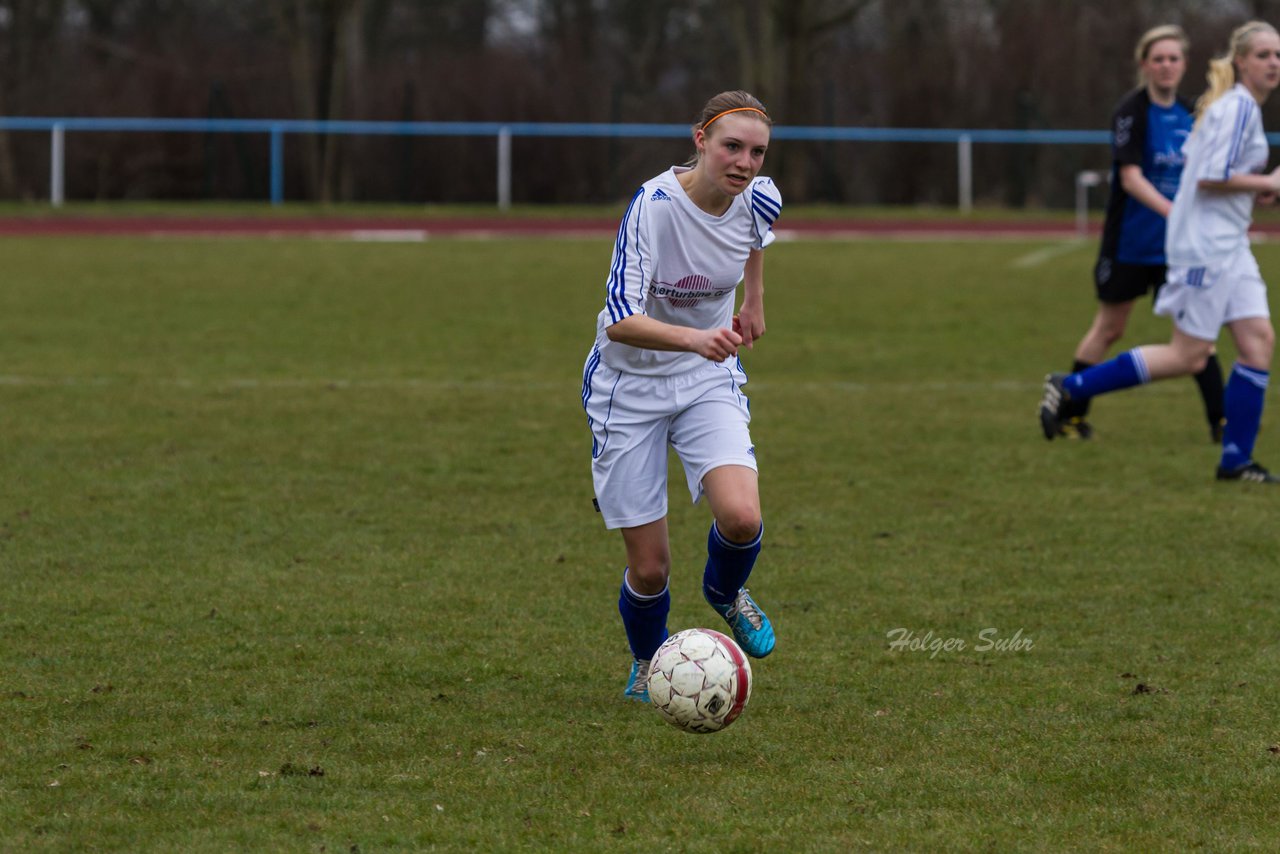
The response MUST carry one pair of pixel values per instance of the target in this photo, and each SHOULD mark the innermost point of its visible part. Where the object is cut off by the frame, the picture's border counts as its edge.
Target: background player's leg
(1209, 381)
(1246, 390)
(1182, 355)
(1107, 328)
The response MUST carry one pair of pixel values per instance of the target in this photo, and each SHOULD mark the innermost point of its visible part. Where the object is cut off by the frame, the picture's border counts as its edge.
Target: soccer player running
(1148, 128)
(1213, 278)
(665, 370)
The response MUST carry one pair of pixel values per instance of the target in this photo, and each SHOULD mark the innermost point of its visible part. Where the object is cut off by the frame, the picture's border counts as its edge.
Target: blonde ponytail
(1221, 77)
(1222, 69)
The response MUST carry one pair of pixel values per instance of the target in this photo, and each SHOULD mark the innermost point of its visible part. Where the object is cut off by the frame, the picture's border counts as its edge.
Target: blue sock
(644, 618)
(1127, 369)
(1245, 393)
(728, 565)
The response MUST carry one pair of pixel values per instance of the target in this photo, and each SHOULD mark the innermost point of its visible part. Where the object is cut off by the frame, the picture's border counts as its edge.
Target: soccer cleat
(751, 628)
(1250, 472)
(638, 682)
(1215, 430)
(1055, 396)
(1075, 428)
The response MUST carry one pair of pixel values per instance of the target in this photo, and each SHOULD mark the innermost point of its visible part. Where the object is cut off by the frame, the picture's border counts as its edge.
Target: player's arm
(766, 207)
(1139, 188)
(1128, 148)
(749, 321)
(640, 330)
(1245, 182)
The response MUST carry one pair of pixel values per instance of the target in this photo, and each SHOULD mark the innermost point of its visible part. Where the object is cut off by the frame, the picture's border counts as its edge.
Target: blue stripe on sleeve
(763, 212)
(1237, 137)
(617, 301)
(765, 206)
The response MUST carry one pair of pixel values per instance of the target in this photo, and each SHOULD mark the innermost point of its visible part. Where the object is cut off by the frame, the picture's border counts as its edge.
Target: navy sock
(1126, 370)
(1210, 383)
(728, 565)
(644, 618)
(1078, 408)
(1246, 391)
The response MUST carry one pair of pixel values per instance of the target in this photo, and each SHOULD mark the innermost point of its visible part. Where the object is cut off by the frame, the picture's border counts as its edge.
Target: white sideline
(1048, 253)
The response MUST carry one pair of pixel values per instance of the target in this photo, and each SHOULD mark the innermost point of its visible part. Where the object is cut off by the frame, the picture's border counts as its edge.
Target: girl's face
(1259, 66)
(1164, 65)
(731, 151)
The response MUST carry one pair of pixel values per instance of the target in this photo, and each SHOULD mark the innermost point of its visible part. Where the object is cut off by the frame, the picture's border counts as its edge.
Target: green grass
(297, 553)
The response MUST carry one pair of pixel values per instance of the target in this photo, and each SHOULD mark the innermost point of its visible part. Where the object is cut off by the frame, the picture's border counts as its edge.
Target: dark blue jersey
(1147, 135)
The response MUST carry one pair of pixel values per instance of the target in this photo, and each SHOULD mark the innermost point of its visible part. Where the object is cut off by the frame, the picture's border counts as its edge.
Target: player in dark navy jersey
(1148, 129)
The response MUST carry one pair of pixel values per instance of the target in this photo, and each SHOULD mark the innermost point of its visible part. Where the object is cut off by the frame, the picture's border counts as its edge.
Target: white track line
(1048, 253)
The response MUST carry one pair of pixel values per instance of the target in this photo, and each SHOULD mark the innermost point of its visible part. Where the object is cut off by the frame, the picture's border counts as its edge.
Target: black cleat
(1250, 472)
(1055, 396)
(1076, 428)
(1215, 430)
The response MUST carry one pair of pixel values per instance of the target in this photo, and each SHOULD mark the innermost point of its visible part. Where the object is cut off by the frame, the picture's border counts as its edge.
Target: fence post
(277, 164)
(1084, 180)
(964, 163)
(504, 168)
(57, 165)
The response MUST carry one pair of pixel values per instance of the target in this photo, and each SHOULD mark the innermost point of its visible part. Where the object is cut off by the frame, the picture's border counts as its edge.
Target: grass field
(297, 554)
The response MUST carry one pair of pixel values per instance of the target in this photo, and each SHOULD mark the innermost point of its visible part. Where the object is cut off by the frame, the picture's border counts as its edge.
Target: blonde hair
(1161, 33)
(727, 102)
(1222, 69)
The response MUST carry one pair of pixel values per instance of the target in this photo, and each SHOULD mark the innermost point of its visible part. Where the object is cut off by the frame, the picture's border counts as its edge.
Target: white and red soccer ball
(700, 680)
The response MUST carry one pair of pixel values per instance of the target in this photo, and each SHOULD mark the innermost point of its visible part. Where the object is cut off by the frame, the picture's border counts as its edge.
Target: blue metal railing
(276, 129)
(562, 129)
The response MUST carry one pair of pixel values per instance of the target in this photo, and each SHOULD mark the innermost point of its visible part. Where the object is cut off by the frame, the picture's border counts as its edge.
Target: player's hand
(717, 344)
(1274, 175)
(1265, 198)
(749, 324)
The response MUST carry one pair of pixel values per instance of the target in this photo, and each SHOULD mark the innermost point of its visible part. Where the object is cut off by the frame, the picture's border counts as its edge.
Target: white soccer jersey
(1206, 226)
(679, 264)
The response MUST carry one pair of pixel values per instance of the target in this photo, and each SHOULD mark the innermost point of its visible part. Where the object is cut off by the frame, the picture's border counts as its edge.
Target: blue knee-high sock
(1246, 391)
(728, 565)
(644, 618)
(1127, 369)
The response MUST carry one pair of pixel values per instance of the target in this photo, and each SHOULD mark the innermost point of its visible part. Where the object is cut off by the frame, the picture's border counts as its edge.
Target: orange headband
(708, 122)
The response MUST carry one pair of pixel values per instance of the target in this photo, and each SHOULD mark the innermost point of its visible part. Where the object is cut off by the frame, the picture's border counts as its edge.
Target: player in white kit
(664, 370)
(1213, 279)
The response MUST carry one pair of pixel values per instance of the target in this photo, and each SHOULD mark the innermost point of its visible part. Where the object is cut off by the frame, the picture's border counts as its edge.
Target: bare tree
(897, 63)
(324, 44)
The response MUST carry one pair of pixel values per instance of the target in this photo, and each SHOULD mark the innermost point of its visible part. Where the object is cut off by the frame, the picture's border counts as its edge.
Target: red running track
(422, 228)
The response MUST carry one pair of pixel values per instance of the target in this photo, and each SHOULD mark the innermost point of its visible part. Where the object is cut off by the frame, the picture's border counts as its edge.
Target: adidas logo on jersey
(659, 196)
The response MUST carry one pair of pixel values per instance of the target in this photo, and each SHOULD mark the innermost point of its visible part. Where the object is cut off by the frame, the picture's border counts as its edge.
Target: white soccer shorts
(1201, 300)
(702, 414)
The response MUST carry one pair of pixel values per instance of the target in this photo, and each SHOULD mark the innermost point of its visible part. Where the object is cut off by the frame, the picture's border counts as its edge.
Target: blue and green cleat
(638, 682)
(751, 628)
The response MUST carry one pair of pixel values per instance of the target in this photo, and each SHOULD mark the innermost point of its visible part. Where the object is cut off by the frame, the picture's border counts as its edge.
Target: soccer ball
(699, 680)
